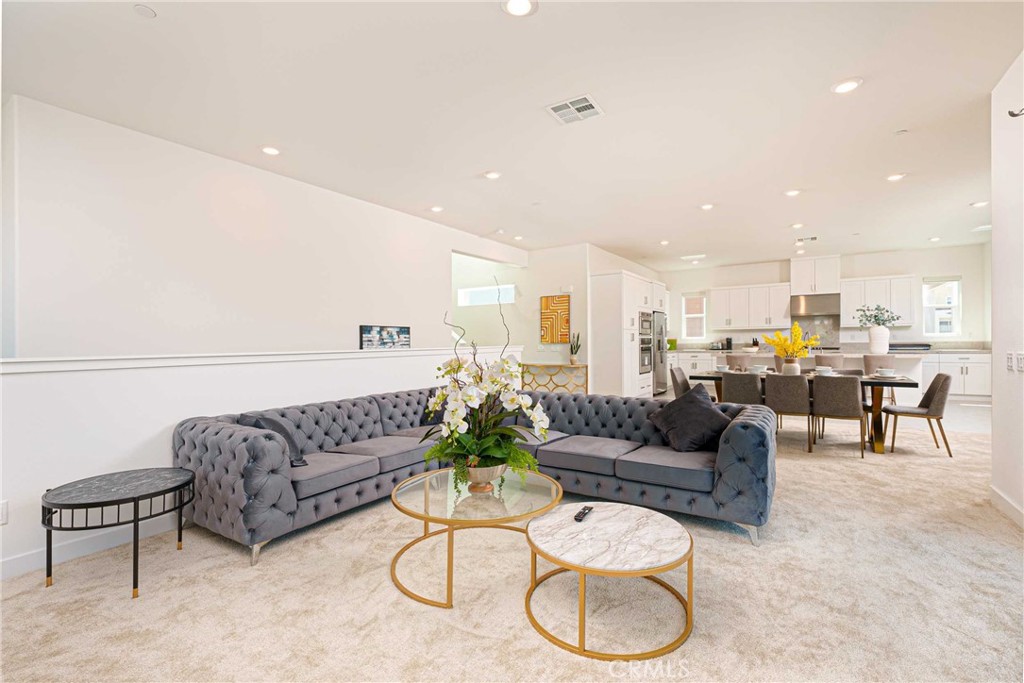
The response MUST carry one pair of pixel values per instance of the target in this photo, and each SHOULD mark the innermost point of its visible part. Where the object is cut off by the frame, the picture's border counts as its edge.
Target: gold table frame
(649, 574)
(450, 527)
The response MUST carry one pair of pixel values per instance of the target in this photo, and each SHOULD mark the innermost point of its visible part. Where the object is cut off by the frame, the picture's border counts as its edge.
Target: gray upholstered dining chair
(832, 360)
(738, 361)
(790, 395)
(872, 362)
(931, 407)
(680, 382)
(839, 398)
(741, 387)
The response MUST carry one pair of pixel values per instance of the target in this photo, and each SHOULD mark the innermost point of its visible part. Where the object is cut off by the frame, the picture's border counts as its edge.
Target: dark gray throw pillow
(692, 422)
(277, 426)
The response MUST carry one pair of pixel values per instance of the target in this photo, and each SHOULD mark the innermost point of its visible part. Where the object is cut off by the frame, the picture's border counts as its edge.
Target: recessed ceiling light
(664, 243)
(518, 238)
(799, 243)
(896, 177)
(519, 8)
(800, 251)
(272, 151)
(707, 207)
(849, 85)
(982, 228)
(792, 193)
(437, 209)
(797, 226)
(145, 12)
(934, 239)
(694, 256)
(492, 175)
(696, 263)
(978, 205)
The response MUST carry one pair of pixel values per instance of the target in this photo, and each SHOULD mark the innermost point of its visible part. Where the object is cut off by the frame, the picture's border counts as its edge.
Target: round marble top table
(614, 539)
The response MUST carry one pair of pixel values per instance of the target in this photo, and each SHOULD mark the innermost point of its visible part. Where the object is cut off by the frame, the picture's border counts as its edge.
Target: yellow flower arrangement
(794, 346)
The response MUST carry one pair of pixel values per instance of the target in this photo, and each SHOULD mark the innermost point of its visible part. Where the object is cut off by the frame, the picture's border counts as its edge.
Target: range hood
(809, 305)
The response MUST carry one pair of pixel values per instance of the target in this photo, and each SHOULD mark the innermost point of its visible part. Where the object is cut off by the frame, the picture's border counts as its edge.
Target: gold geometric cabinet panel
(554, 319)
(567, 379)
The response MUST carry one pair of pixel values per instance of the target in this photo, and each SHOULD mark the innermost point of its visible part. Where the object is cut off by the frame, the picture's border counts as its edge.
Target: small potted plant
(574, 348)
(877, 319)
(791, 348)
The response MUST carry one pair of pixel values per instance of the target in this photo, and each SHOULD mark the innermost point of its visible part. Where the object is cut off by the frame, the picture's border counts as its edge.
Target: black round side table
(116, 499)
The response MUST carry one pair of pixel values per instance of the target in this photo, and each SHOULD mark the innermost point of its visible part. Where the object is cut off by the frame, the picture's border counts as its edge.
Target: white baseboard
(1003, 503)
(79, 544)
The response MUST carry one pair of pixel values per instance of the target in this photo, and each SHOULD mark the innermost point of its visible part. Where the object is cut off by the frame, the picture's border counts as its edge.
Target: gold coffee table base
(580, 648)
(450, 531)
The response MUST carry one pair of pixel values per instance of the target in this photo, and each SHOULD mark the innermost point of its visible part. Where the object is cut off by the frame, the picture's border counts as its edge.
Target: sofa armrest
(745, 467)
(243, 478)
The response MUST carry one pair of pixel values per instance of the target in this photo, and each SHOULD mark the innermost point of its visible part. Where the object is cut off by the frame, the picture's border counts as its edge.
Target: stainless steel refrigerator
(660, 353)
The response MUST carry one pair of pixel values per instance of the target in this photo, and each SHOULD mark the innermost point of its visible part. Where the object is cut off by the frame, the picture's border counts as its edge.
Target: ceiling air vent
(577, 109)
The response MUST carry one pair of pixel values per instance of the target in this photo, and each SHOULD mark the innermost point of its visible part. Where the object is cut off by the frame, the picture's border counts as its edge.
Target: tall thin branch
(508, 333)
(458, 341)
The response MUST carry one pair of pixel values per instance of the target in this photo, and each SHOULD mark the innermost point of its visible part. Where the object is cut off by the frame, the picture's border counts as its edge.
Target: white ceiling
(406, 105)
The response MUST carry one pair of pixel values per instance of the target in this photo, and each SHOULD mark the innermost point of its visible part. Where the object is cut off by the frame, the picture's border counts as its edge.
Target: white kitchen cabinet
(739, 313)
(817, 275)
(757, 306)
(901, 299)
(971, 373)
(851, 297)
(778, 306)
(929, 368)
(614, 355)
(631, 363)
(718, 309)
(894, 293)
(659, 296)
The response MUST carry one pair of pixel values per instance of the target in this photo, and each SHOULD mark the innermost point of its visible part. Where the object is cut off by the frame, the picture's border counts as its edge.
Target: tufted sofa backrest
(402, 409)
(613, 417)
(317, 427)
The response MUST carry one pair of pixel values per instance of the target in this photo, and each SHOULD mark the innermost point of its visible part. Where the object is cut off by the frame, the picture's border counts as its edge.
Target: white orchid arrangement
(480, 401)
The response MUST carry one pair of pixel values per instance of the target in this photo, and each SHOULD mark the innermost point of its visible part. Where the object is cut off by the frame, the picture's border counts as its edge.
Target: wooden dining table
(876, 384)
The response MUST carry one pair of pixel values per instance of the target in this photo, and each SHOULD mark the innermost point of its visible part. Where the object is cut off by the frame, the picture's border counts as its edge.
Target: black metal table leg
(49, 558)
(179, 497)
(135, 549)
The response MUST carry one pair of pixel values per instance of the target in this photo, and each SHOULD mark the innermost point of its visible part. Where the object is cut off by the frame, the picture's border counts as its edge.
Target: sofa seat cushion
(692, 470)
(595, 454)
(392, 451)
(532, 443)
(692, 422)
(327, 471)
(419, 432)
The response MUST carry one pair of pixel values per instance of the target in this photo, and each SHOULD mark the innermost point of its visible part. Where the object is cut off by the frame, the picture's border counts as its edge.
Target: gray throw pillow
(278, 427)
(692, 422)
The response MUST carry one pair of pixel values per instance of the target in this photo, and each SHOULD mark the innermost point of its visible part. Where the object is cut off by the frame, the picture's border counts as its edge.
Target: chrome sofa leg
(752, 531)
(255, 550)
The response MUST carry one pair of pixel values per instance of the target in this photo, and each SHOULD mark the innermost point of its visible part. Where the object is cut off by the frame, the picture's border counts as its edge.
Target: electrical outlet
(1009, 361)
(1020, 362)
(3, 512)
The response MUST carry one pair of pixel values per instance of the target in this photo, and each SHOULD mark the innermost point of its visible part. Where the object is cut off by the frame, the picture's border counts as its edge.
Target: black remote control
(583, 513)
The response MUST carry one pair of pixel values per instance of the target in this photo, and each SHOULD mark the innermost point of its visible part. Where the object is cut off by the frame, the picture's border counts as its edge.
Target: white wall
(129, 244)
(1008, 293)
(969, 262)
(602, 262)
(560, 270)
(65, 420)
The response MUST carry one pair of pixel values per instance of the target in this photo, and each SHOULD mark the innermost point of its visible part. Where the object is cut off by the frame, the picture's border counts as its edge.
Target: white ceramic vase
(791, 366)
(480, 478)
(878, 339)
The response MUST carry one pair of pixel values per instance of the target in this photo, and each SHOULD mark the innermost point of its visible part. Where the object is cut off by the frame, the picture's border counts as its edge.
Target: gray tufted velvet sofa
(607, 447)
(249, 489)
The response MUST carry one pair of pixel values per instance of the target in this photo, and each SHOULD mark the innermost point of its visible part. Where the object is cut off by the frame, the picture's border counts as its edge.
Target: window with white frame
(694, 316)
(941, 298)
(487, 296)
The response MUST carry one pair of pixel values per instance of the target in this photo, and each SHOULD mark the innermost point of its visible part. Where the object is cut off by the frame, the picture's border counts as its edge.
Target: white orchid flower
(473, 396)
(525, 401)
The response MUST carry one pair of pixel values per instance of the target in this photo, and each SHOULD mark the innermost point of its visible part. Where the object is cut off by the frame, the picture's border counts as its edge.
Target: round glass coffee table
(613, 540)
(433, 498)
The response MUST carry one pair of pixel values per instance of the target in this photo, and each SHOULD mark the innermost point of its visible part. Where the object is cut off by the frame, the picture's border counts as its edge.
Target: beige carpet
(891, 568)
